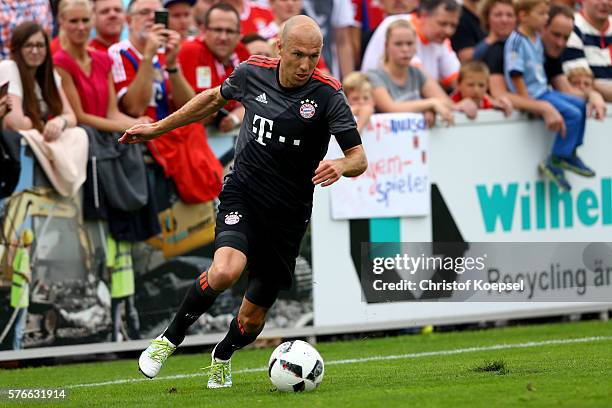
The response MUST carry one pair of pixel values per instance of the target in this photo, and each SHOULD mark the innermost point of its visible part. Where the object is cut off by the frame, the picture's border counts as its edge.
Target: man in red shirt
(149, 81)
(207, 60)
(143, 75)
(110, 19)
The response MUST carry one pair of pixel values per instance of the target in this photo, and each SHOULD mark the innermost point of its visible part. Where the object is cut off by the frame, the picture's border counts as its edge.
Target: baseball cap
(168, 3)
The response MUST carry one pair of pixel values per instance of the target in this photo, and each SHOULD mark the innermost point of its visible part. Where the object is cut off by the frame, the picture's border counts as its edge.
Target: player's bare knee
(223, 275)
(228, 264)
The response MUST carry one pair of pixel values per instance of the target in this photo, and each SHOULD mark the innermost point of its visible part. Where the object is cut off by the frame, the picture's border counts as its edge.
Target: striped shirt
(126, 60)
(587, 46)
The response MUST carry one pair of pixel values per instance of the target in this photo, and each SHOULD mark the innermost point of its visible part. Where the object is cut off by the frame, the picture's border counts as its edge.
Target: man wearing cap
(20, 288)
(180, 17)
(207, 60)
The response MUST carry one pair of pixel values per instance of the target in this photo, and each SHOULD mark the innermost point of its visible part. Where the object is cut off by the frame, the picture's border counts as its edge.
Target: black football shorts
(270, 241)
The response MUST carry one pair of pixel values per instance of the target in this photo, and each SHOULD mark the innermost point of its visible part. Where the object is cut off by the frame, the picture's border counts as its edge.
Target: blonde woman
(86, 73)
(399, 86)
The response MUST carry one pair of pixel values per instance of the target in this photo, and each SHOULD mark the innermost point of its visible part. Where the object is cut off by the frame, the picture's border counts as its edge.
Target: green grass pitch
(525, 366)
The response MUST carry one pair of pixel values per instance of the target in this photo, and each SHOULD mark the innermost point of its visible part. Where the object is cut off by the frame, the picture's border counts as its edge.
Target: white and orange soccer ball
(295, 366)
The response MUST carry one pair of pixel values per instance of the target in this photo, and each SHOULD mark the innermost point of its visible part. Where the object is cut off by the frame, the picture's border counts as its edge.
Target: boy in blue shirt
(525, 75)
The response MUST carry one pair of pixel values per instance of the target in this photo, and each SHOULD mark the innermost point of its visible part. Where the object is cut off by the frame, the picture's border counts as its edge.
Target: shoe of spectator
(555, 173)
(577, 166)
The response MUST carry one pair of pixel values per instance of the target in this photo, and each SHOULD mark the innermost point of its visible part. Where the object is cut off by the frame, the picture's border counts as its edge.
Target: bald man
(266, 202)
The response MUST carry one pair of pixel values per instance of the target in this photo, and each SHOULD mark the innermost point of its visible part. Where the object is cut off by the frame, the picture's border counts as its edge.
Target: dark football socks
(198, 299)
(235, 339)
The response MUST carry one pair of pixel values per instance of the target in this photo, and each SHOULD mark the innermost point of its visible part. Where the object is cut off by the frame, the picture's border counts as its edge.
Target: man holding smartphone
(143, 76)
(150, 82)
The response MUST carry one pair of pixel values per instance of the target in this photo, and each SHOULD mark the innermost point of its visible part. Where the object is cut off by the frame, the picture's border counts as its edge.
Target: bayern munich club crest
(308, 108)
(233, 218)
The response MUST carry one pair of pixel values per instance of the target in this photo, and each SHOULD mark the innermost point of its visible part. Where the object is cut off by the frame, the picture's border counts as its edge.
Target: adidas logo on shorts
(262, 98)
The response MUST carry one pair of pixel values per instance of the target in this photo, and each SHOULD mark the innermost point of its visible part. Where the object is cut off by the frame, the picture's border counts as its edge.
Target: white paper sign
(396, 182)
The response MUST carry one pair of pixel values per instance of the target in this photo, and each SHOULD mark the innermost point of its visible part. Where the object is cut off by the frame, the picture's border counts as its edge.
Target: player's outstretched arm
(352, 164)
(202, 105)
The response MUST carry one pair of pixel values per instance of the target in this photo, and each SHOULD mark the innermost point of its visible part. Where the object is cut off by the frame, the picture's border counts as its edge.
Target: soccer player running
(266, 201)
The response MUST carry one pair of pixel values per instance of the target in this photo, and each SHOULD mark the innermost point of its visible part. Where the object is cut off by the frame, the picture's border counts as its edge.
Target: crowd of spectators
(106, 65)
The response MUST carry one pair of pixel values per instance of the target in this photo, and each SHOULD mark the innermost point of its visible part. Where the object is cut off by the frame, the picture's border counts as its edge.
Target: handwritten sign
(396, 182)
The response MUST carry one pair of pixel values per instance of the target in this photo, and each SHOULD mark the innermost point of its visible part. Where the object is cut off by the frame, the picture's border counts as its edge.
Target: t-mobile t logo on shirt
(261, 131)
(259, 128)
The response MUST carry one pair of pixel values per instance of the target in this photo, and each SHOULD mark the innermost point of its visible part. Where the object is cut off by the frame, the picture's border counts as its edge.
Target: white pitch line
(368, 359)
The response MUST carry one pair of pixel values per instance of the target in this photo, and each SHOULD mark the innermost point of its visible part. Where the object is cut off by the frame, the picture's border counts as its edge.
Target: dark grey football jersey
(285, 132)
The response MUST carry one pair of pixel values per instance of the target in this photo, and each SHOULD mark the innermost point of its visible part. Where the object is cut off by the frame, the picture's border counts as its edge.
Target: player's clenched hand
(140, 133)
(328, 172)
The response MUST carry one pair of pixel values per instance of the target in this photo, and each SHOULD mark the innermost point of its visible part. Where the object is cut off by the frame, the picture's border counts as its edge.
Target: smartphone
(161, 17)
(4, 89)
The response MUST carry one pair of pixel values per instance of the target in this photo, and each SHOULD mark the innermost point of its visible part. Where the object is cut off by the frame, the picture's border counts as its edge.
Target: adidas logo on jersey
(262, 98)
